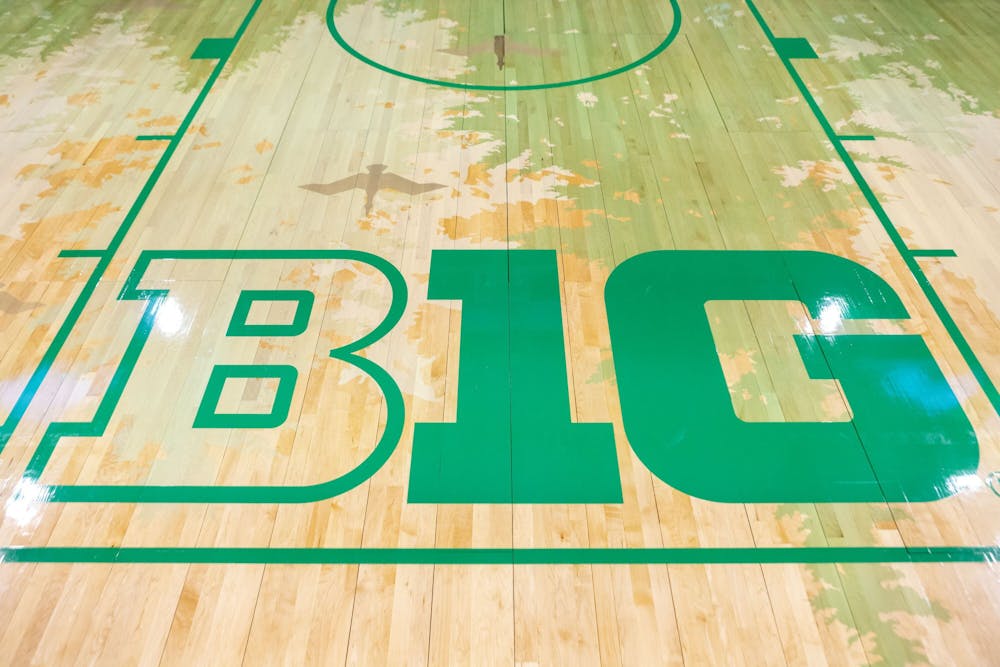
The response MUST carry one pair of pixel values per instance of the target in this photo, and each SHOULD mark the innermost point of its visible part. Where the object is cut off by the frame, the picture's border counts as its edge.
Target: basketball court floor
(533, 332)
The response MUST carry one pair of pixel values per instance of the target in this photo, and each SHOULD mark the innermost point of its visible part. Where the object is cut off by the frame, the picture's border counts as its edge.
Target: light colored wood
(710, 145)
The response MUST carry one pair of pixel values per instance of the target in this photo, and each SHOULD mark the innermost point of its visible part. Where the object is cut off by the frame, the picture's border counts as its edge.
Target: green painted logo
(514, 441)
(908, 437)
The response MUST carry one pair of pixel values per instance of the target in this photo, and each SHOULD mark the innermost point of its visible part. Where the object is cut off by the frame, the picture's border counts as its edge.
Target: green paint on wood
(233, 494)
(240, 326)
(794, 47)
(909, 435)
(208, 415)
(213, 48)
(513, 441)
(489, 556)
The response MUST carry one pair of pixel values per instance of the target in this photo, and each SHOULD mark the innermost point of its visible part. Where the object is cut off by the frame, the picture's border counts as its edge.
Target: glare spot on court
(170, 318)
(831, 316)
(27, 501)
(963, 484)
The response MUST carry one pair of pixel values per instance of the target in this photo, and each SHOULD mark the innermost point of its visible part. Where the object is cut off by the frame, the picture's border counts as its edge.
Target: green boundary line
(212, 48)
(934, 253)
(501, 556)
(855, 137)
(675, 28)
(992, 394)
(45, 365)
(794, 47)
(155, 137)
(85, 252)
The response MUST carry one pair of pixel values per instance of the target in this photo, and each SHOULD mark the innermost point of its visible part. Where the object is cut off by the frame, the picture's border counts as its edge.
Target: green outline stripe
(982, 377)
(155, 137)
(934, 253)
(85, 252)
(856, 137)
(48, 359)
(675, 28)
(518, 556)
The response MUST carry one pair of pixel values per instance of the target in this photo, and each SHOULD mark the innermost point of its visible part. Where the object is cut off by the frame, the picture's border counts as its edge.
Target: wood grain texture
(709, 146)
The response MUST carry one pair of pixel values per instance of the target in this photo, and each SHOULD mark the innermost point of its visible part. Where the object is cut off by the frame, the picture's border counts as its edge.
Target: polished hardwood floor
(524, 333)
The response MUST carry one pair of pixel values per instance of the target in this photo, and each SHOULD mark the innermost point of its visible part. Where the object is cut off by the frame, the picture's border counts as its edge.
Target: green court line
(155, 137)
(794, 47)
(990, 389)
(214, 47)
(500, 556)
(675, 28)
(87, 252)
(45, 365)
(934, 253)
(856, 137)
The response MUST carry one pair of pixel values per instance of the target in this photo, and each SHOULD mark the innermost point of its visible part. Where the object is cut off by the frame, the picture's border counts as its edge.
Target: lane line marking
(491, 556)
(70, 252)
(930, 252)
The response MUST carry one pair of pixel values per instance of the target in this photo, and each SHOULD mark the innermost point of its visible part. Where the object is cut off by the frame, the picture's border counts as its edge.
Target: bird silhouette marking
(376, 179)
(500, 45)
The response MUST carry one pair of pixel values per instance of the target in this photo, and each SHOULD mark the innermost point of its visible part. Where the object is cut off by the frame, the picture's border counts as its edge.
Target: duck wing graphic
(470, 50)
(401, 184)
(335, 187)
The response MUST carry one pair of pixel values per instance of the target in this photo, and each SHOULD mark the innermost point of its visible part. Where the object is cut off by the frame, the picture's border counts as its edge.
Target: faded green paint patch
(604, 371)
(881, 604)
(873, 607)
(153, 23)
